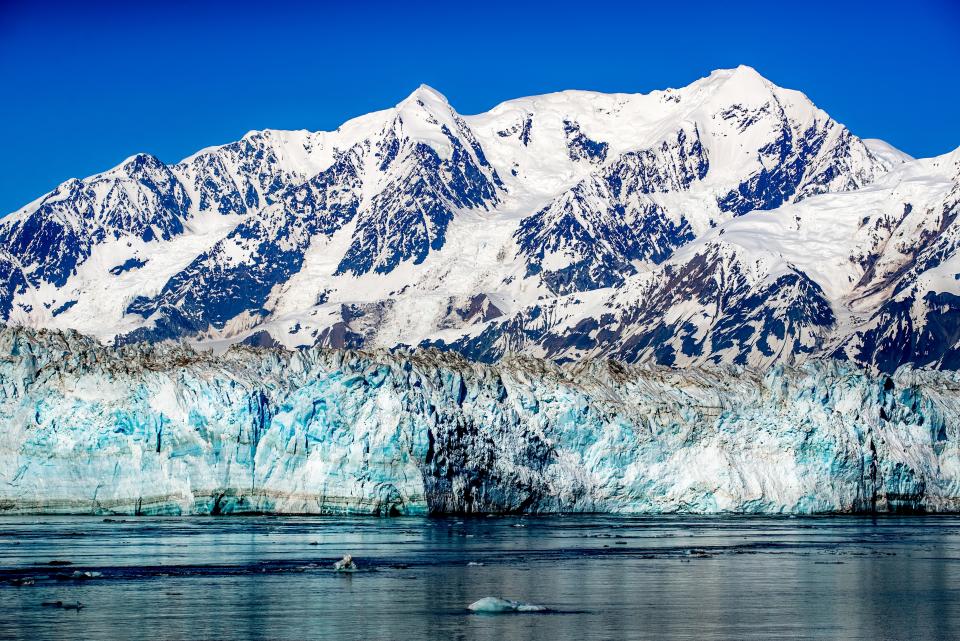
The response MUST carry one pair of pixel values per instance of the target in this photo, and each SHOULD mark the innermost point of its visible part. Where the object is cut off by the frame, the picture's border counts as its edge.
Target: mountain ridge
(415, 225)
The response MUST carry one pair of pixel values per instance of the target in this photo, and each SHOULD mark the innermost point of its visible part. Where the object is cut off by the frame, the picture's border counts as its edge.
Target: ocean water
(601, 578)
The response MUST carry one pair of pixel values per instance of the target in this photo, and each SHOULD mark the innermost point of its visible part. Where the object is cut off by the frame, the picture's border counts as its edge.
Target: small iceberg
(345, 564)
(495, 605)
(83, 576)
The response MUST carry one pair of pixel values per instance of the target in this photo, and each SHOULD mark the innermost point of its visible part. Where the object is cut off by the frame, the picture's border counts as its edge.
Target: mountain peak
(740, 72)
(746, 70)
(587, 221)
(741, 83)
(426, 116)
(137, 163)
(426, 95)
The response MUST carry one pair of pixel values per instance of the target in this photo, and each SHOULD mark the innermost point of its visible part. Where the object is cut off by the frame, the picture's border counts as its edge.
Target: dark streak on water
(603, 578)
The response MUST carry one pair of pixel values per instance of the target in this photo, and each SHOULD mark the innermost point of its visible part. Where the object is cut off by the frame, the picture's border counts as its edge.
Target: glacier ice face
(163, 429)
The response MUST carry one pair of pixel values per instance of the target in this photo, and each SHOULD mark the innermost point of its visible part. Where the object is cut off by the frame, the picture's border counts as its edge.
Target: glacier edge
(161, 429)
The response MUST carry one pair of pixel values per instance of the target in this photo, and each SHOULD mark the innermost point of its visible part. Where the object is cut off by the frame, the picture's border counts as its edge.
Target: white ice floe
(496, 605)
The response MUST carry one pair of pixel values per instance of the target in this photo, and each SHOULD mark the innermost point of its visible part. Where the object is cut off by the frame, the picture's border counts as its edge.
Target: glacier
(166, 429)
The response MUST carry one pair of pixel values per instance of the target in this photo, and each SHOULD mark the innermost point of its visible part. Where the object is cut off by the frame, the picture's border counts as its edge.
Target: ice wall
(162, 429)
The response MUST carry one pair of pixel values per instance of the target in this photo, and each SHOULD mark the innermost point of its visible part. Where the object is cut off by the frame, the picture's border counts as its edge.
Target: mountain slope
(673, 227)
(869, 275)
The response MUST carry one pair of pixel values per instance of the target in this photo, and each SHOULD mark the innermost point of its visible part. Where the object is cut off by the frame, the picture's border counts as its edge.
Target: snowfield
(729, 221)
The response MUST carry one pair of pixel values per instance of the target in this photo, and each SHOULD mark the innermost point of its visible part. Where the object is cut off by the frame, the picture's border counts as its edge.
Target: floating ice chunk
(345, 564)
(496, 605)
(78, 575)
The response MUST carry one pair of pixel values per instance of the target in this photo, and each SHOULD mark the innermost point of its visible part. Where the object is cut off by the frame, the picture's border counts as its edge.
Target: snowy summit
(729, 221)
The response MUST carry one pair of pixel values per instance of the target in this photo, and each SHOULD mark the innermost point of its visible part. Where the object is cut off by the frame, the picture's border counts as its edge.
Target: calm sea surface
(601, 577)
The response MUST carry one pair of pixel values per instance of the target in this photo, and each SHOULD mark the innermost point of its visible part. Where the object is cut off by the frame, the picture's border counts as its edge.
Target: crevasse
(146, 429)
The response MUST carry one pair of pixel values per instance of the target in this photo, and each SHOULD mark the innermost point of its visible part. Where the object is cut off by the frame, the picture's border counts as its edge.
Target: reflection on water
(603, 578)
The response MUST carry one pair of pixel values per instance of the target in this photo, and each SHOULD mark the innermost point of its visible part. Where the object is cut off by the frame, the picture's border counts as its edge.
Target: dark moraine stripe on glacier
(479, 463)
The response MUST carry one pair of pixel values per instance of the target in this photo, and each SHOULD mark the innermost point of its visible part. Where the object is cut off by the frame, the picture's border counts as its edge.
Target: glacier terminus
(161, 429)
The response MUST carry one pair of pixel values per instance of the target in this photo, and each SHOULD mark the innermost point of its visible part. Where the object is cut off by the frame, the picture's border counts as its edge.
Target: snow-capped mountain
(727, 221)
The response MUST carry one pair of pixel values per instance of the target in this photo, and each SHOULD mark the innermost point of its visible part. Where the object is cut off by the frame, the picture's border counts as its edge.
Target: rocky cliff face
(160, 429)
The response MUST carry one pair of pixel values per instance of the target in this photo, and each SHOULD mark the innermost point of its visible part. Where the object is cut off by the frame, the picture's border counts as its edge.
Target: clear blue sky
(82, 86)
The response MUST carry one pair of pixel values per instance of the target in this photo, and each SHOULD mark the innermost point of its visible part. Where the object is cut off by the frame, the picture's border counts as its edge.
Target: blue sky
(84, 85)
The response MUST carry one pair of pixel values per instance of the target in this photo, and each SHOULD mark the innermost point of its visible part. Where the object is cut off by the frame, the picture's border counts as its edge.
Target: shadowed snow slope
(728, 221)
(163, 429)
